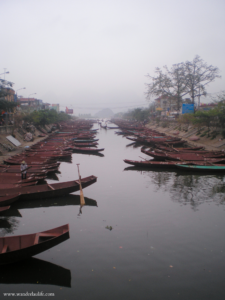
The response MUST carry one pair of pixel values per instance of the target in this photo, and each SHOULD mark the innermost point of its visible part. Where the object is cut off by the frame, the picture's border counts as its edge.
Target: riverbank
(6, 154)
(187, 132)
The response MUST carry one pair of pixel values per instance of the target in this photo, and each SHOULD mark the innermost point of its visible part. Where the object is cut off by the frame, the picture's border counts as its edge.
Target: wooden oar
(26, 169)
(175, 149)
(82, 201)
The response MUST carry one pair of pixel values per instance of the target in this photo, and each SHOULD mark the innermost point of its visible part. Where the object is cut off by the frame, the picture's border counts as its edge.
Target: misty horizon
(91, 55)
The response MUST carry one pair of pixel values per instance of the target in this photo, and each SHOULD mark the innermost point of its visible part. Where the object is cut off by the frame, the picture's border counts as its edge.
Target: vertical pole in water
(82, 201)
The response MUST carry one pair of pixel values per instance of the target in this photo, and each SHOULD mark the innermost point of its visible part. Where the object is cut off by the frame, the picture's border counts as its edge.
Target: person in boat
(23, 169)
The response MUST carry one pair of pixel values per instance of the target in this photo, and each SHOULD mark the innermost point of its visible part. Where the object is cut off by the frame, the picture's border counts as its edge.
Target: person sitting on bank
(23, 169)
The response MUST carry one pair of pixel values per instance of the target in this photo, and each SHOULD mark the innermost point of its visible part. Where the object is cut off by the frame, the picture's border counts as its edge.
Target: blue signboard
(187, 108)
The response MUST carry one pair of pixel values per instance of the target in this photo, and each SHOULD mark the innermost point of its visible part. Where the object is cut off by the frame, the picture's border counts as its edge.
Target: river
(141, 235)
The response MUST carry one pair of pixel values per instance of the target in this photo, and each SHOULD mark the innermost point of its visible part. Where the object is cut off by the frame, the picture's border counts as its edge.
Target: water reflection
(196, 189)
(186, 188)
(80, 210)
(35, 271)
(8, 225)
(49, 202)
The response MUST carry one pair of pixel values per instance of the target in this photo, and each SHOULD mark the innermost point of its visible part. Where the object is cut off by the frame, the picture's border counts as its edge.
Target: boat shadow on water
(134, 145)
(8, 225)
(50, 202)
(92, 154)
(177, 171)
(10, 212)
(35, 271)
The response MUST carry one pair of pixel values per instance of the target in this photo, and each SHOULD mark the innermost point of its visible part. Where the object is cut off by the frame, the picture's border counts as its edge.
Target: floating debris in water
(109, 227)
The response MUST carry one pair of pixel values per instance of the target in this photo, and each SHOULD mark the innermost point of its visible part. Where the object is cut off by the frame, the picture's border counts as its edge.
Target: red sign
(69, 111)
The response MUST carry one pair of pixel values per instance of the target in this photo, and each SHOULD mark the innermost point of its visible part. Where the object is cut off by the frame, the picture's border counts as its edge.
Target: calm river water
(167, 238)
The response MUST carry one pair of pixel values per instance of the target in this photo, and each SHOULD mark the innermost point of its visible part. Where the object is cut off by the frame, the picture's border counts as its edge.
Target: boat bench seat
(51, 187)
(5, 248)
(38, 235)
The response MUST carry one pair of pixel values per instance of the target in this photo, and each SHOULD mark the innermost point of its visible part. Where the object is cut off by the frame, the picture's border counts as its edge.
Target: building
(206, 106)
(55, 107)
(165, 103)
(7, 94)
(31, 104)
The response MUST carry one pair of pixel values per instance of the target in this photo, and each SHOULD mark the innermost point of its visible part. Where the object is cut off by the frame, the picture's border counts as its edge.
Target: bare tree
(198, 75)
(172, 83)
(182, 79)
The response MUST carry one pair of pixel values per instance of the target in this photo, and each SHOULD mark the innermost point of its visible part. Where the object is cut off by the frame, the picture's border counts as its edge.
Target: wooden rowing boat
(84, 145)
(215, 168)
(16, 178)
(48, 190)
(30, 172)
(4, 208)
(6, 200)
(171, 149)
(182, 156)
(16, 185)
(85, 141)
(87, 150)
(15, 248)
(151, 164)
(31, 161)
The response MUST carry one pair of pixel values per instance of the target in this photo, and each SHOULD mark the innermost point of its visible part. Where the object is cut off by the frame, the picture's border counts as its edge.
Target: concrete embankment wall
(186, 132)
(6, 129)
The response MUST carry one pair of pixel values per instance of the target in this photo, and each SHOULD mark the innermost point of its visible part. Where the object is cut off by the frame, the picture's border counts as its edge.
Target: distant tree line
(45, 117)
(139, 114)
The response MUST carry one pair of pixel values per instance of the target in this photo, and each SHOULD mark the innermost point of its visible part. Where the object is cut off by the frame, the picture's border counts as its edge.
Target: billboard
(69, 111)
(187, 108)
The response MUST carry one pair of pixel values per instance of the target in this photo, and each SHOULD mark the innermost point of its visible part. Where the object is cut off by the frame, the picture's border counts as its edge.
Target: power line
(117, 107)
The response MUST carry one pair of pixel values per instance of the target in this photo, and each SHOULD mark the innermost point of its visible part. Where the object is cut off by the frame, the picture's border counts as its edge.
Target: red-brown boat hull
(24, 246)
(49, 191)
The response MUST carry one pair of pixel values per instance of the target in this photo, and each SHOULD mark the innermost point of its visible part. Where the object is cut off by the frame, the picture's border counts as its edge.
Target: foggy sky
(96, 53)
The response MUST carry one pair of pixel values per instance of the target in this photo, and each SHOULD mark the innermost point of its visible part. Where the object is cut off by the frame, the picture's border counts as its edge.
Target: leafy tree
(205, 118)
(63, 117)
(138, 114)
(45, 117)
(6, 105)
(186, 119)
